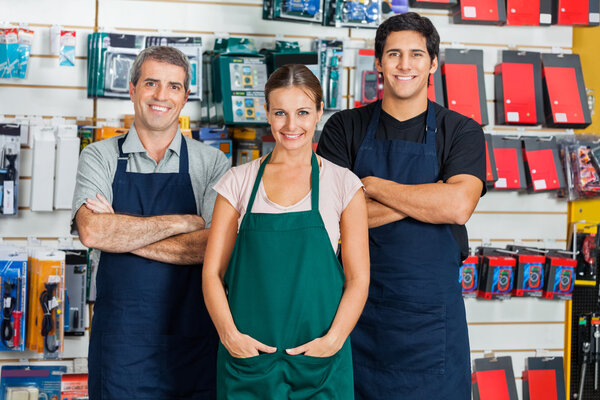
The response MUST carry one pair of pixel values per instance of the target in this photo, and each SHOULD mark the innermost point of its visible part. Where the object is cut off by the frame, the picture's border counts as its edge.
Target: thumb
(263, 347)
(297, 350)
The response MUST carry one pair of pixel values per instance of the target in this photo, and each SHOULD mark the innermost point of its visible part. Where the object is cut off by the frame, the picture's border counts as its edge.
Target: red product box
(576, 12)
(564, 91)
(462, 73)
(435, 90)
(493, 379)
(491, 173)
(510, 167)
(486, 12)
(544, 168)
(560, 278)
(442, 4)
(74, 386)
(528, 12)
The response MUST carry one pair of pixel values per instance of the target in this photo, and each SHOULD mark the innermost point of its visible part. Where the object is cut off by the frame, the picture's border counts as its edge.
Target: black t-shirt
(459, 141)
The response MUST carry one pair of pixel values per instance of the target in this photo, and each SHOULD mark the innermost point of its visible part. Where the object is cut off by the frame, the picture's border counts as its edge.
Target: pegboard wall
(516, 327)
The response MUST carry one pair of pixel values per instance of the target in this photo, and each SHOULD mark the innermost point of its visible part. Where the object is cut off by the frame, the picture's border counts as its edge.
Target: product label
(512, 116)
(545, 18)
(560, 117)
(469, 12)
(594, 18)
(8, 203)
(500, 183)
(539, 184)
(7, 302)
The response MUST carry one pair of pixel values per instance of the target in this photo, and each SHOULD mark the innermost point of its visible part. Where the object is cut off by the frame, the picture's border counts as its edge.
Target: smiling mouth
(159, 108)
(287, 136)
(404, 78)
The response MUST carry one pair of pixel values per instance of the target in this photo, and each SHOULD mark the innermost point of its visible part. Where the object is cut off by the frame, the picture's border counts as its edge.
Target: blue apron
(152, 337)
(411, 341)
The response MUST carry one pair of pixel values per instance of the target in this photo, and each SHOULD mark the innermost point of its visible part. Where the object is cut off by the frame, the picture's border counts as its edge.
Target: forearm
(380, 214)
(218, 306)
(118, 233)
(182, 249)
(350, 308)
(451, 202)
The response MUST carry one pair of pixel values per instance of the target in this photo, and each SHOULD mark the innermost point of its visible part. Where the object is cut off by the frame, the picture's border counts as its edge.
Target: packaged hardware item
(29, 382)
(66, 57)
(13, 292)
(358, 13)
(581, 160)
(24, 50)
(330, 54)
(10, 148)
(297, 10)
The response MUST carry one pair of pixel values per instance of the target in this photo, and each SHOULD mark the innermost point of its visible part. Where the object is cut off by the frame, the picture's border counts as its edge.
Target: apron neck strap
(122, 160)
(314, 182)
(430, 124)
(183, 156)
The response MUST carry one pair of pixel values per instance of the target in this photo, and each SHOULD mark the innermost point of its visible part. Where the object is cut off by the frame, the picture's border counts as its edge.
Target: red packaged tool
(543, 166)
(491, 174)
(435, 90)
(518, 84)
(564, 91)
(528, 12)
(508, 155)
(462, 71)
(576, 12)
(544, 379)
(493, 379)
(487, 12)
(497, 273)
(74, 386)
(433, 3)
(560, 277)
(468, 276)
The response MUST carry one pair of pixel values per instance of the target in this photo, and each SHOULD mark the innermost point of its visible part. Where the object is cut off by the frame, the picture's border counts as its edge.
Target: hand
(99, 205)
(320, 347)
(370, 183)
(240, 345)
(194, 222)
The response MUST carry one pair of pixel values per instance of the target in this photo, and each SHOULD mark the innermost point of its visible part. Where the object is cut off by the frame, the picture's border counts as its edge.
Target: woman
(281, 303)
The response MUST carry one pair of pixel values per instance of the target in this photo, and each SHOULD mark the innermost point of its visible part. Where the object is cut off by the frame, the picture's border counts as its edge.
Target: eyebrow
(156, 80)
(400, 50)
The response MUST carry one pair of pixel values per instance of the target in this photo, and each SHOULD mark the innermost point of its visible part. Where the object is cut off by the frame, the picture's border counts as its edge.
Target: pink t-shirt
(337, 186)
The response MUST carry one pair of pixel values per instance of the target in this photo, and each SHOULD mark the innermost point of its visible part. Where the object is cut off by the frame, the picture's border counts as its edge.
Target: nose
(290, 122)
(404, 62)
(161, 92)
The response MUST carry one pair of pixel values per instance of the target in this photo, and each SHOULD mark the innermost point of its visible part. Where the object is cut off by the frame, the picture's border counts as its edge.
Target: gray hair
(166, 54)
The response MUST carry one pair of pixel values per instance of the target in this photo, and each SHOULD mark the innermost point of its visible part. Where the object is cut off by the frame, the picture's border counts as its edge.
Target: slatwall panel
(516, 327)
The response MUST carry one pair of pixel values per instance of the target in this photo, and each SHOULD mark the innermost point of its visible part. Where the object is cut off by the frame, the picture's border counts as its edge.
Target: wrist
(335, 340)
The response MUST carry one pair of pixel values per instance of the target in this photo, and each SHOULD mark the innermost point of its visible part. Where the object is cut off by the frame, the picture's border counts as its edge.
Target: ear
(434, 65)
(131, 90)
(320, 112)
(187, 95)
(267, 113)
(378, 65)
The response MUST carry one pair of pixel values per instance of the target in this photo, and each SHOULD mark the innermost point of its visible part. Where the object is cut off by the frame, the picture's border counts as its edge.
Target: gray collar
(133, 144)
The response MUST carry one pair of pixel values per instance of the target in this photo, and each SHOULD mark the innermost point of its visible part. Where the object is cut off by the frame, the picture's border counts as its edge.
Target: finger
(263, 347)
(297, 350)
(104, 201)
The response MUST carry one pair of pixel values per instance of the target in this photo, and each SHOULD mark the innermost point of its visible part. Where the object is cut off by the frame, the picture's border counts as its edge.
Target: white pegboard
(500, 217)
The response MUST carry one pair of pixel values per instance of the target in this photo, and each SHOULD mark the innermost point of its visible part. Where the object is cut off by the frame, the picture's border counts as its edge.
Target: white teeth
(158, 108)
(292, 136)
(404, 78)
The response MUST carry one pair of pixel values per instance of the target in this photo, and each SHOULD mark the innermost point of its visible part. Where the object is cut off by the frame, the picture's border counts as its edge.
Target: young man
(145, 200)
(423, 168)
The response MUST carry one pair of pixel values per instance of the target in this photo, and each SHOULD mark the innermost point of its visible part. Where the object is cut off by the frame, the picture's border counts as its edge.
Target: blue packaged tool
(298, 10)
(31, 382)
(24, 50)
(11, 53)
(66, 57)
(358, 13)
(13, 294)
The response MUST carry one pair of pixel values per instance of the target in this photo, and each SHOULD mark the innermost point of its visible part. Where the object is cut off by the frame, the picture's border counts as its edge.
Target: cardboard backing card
(494, 378)
(482, 12)
(528, 12)
(544, 379)
(576, 12)
(544, 168)
(491, 173)
(508, 155)
(463, 78)
(518, 86)
(565, 96)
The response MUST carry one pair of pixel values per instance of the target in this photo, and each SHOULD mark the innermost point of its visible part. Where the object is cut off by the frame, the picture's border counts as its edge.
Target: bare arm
(182, 249)
(355, 258)
(223, 232)
(120, 233)
(380, 214)
(450, 202)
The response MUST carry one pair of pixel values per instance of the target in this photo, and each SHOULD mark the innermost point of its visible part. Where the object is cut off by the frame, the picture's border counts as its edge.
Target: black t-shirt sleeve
(334, 144)
(467, 152)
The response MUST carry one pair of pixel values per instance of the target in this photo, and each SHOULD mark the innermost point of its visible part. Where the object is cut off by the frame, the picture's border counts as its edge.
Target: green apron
(284, 284)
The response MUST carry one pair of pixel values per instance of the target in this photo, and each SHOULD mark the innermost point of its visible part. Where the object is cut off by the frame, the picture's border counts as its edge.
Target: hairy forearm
(380, 214)
(182, 249)
(434, 203)
(118, 233)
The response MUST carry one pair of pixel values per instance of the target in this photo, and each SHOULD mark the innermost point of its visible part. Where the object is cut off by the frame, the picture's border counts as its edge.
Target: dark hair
(295, 75)
(166, 54)
(410, 21)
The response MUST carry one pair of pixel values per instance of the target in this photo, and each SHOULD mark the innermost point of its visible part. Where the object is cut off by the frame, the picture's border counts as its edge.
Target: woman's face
(293, 117)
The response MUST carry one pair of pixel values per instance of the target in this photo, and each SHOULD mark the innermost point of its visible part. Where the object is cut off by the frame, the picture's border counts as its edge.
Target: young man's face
(158, 96)
(406, 65)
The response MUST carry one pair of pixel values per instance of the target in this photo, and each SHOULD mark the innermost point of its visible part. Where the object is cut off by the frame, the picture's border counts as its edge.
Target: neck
(296, 157)
(404, 109)
(156, 143)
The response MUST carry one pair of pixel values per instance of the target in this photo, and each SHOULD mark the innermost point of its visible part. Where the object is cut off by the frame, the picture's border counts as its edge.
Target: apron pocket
(157, 367)
(246, 378)
(408, 336)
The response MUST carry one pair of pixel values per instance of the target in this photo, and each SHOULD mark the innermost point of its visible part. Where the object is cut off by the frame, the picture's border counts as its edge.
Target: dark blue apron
(411, 341)
(152, 337)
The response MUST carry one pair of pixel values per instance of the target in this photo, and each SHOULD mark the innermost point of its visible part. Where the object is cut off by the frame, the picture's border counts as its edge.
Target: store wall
(585, 43)
(517, 327)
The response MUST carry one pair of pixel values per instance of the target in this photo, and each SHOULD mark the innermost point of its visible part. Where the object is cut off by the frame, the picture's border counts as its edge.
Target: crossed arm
(174, 239)
(450, 202)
